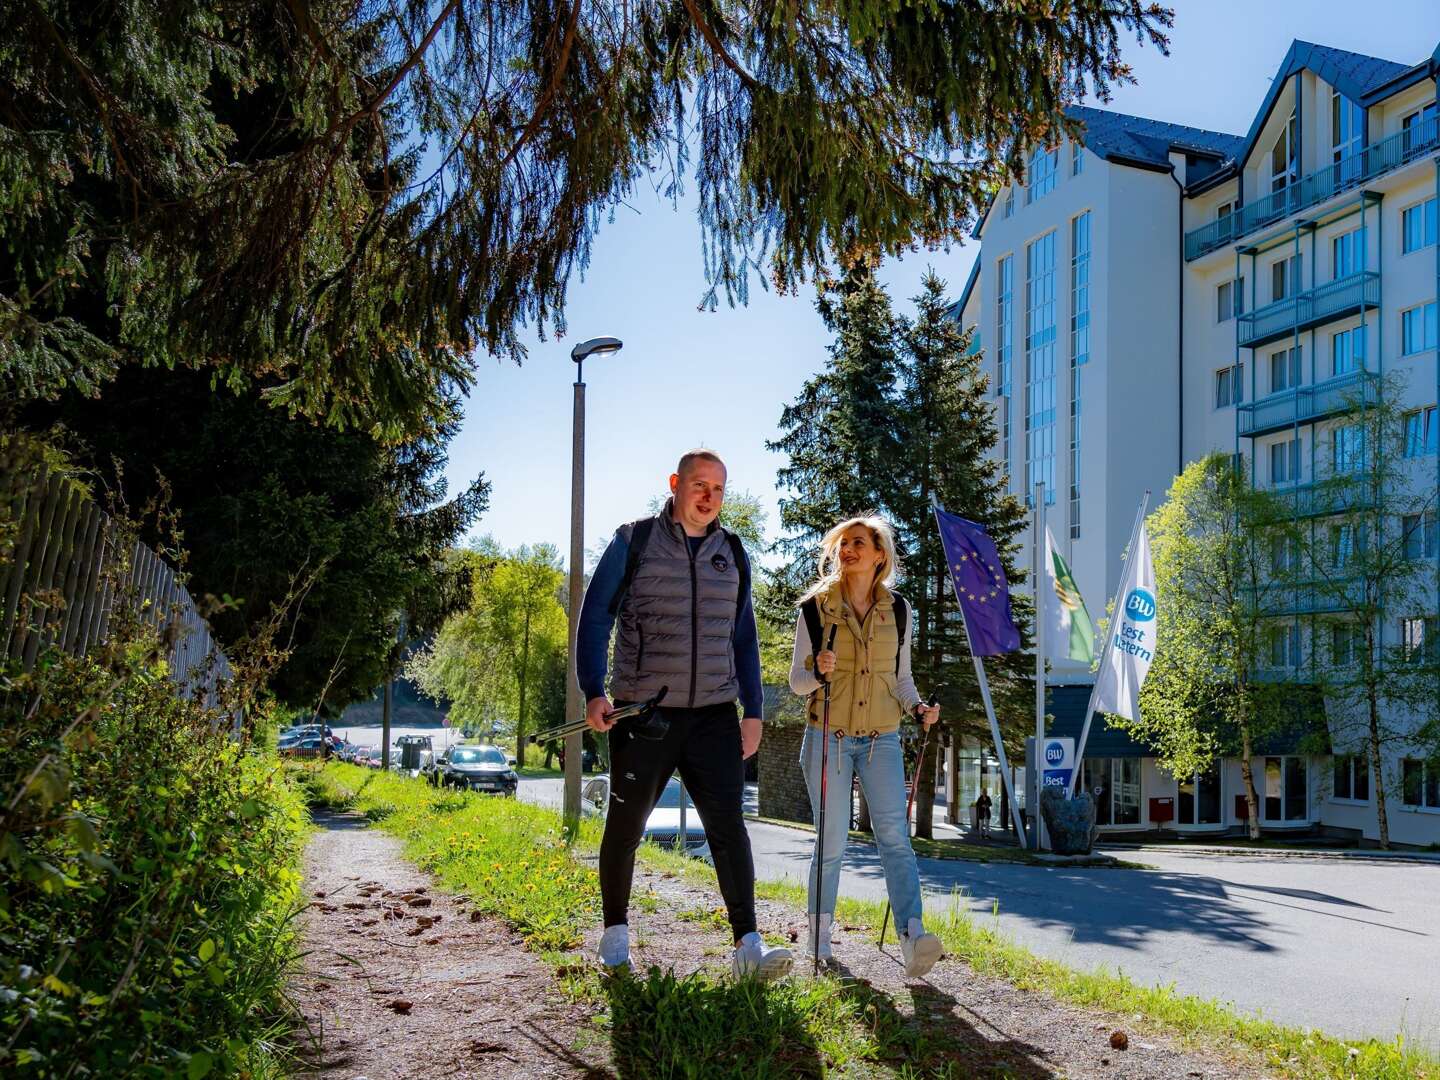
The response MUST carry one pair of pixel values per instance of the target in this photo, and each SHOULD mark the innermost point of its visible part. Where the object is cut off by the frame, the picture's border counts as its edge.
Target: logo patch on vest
(720, 563)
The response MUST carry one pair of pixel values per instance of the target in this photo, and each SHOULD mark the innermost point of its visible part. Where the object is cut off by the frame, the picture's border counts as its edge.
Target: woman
(871, 691)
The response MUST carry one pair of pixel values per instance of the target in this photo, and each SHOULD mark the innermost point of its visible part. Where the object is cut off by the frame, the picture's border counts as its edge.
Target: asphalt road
(1350, 946)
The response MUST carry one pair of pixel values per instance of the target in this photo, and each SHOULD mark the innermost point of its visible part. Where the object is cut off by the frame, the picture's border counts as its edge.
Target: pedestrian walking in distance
(871, 691)
(679, 586)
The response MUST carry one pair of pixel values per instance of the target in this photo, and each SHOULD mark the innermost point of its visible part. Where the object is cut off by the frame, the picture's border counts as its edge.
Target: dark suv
(479, 768)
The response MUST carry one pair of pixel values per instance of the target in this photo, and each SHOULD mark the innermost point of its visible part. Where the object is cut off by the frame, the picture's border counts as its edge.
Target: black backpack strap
(742, 564)
(639, 537)
(902, 624)
(811, 610)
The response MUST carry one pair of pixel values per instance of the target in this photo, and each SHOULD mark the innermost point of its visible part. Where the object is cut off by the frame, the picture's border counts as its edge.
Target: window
(1417, 226)
(1040, 365)
(1347, 449)
(1230, 386)
(1285, 369)
(1115, 784)
(1224, 210)
(1282, 158)
(1347, 351)
(1077, 158)
(1284, 554)
(1230, 300)
(1347, 253)
(1345, 643)
(1352, 777)
(1079, 349)
(1419, 535)
(1285, 278)
(1418, 129)
(1040, 176)
(1199, 802)
(1417, 329)
(1420, 638)
(1420, 783)
(1004, 346)
(1347, 134)
(1285, 462)
(1286, 779)
(1282, 646)
(1422, 432)
(1346, 541)
(1010, 201)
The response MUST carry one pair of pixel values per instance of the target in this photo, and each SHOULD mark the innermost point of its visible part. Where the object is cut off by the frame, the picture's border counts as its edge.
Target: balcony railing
(1333, 300)
(1306, 403)
(1318, 500)
(1313, 597)
(1349, 172)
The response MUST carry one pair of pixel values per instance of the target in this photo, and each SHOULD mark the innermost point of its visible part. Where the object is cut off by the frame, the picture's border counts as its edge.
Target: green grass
(539, 772)
(675, 1026)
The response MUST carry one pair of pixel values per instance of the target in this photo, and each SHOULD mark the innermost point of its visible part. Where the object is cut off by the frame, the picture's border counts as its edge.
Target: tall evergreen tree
(947, 435)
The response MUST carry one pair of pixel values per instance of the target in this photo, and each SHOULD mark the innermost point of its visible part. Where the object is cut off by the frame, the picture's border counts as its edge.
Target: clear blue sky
(720, 378)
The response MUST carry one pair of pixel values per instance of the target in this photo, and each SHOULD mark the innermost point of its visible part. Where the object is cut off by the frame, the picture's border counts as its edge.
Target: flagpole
(1032, 782)
(1109, 643)
(989, 708)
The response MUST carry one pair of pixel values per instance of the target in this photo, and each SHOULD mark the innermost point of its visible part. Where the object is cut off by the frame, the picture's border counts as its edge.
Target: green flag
(1069, 632)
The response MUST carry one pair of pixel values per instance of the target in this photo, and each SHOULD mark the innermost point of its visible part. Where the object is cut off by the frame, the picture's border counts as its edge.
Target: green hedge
(149, 877)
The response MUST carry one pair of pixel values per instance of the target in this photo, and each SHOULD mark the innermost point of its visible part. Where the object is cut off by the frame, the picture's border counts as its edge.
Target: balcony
(1305, 404)
(1333, 300)
(1349, 172)
(1313, 597)
(1322, 499)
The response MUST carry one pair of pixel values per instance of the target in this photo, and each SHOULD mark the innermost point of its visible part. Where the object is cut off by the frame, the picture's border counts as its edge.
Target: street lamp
(574, 703)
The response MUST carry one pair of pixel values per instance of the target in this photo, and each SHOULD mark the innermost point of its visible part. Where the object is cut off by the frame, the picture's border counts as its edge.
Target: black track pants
(704, 744)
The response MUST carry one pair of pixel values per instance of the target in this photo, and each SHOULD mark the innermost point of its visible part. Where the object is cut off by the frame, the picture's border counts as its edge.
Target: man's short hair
(698, 454)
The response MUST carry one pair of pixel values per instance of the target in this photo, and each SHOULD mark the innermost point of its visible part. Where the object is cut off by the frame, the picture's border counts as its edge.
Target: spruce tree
(947, 437)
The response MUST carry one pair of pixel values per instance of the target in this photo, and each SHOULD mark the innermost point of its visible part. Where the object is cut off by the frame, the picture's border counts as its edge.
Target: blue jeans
(882, 778)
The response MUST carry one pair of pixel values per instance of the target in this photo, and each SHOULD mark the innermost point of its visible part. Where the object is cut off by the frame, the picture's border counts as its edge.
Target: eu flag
(980, 585)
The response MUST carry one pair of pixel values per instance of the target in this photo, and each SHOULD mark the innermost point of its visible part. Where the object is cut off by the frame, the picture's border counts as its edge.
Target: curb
(1362, 854)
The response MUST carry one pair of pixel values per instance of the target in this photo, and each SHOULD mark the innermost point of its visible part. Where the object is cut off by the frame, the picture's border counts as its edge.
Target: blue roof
(1355, 75)
(1135, 140)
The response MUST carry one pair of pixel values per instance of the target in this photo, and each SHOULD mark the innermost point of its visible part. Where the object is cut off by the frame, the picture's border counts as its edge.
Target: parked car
(663, 825)
(478, 768)
(312, 746)
(372, 758)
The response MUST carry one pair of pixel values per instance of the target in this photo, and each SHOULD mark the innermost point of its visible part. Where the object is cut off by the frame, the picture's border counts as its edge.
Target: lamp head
(599, 346)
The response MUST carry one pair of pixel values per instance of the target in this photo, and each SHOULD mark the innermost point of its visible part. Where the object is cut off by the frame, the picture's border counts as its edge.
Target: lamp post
(574, 703)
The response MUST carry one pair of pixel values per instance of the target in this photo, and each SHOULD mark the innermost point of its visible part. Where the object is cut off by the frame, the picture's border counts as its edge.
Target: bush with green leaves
(148, 874)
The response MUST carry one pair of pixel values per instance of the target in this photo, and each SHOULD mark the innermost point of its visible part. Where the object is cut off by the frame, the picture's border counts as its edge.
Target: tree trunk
(1380, 816)
(1247, 775)
(522, 680)
(925, 789)
(862, 814)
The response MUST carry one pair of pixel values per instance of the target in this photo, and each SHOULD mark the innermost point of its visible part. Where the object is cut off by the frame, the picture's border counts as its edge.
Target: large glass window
(1282, 646)
(1285, 461)
(1286, 779)
(1285, 278)
(1352, 777)
(1079, 350)
(1419, 532)
(1418, 329)
(1229, 299)
(1040, 176)
(1418, 129)
(1004, 346)
(1347, 449)
(1347, 134)
(1115, 785)
(1420, 783)
(1347, 253)
(1420, 638)
(1282, 158)
(1345, 639)
(1230, 386)
(1199, 802)
(1417, 226)
(1347, 351)
(1422, 432)
(1285, 369)
(1040, 365)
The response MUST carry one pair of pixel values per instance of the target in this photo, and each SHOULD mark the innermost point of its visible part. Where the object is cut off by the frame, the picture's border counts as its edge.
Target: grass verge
(509, 858)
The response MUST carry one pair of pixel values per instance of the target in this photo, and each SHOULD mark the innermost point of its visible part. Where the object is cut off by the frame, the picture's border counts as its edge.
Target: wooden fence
(69, 569)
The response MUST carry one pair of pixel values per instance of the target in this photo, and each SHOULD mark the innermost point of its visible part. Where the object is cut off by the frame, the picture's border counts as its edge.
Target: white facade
(1180, 221)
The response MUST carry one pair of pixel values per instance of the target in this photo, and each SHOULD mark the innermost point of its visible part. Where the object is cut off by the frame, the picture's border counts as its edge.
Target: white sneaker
(754, 958)
(919, 950)
(823, 950)
(614, 947)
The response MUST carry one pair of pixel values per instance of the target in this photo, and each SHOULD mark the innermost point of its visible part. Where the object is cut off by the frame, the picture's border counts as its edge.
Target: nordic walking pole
(909, 809)
(824, 772)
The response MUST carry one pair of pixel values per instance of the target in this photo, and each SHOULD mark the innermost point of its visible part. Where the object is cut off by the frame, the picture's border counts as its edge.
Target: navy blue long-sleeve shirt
(592, 639)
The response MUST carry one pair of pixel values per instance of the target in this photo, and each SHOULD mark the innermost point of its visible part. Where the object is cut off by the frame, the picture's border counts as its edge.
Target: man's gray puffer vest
(677, 619)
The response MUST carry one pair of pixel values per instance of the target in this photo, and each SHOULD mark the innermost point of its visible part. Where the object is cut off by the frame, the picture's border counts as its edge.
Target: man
(680, 586)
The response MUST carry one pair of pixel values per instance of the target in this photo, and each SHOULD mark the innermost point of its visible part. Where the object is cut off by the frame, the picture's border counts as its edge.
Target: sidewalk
(1171, 847)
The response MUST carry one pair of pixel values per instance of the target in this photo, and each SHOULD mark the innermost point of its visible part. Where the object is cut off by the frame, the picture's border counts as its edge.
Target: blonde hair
(883, 537)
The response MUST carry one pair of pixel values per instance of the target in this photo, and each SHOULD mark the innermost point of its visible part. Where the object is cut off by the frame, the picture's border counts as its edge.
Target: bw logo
(1140, 605)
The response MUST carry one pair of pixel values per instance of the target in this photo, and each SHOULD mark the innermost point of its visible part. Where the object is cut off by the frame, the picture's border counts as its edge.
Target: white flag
(1132, 637)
